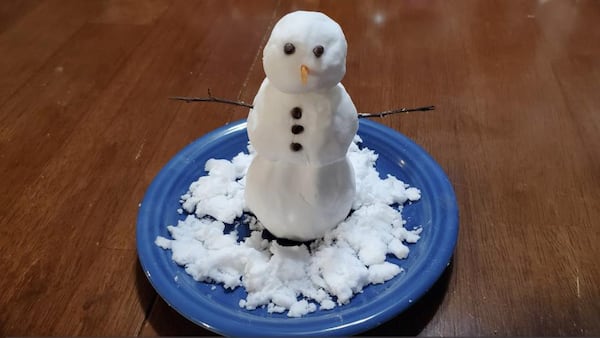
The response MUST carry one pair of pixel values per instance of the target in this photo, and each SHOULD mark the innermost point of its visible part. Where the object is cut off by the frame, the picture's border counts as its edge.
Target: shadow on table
(162, 320)
(412, 321)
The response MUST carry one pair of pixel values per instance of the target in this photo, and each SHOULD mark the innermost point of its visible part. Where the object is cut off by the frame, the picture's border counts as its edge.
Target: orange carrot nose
(304, 71)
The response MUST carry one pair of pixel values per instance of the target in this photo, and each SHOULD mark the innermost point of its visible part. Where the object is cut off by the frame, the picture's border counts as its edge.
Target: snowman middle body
(300, 183)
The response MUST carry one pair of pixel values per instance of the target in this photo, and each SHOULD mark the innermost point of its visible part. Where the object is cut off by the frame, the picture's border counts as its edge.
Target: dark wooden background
(85, 126)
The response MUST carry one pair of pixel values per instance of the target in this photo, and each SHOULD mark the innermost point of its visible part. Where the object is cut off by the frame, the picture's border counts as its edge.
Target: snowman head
(306, 52)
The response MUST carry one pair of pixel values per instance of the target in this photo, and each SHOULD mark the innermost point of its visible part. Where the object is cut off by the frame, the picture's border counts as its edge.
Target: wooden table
(85, 125)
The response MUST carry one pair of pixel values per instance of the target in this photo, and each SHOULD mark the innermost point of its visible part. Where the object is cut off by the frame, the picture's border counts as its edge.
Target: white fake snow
(292, 278)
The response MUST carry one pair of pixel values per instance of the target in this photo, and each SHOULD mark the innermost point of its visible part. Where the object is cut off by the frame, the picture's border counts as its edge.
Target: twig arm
(395, 111)
(211, 98)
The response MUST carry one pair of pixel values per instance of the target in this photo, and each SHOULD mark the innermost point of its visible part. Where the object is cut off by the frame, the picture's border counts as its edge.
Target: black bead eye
(318, 51)
(289, 48)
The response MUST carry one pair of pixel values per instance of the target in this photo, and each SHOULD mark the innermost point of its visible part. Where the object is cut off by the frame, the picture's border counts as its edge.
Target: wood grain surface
(85, 125)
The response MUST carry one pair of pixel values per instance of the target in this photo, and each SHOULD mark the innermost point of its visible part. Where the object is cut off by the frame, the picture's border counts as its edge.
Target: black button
(296, 146)
(297, 129)
(297, 113)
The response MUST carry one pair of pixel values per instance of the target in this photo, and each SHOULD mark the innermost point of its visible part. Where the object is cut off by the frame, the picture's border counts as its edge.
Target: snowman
(301, 183)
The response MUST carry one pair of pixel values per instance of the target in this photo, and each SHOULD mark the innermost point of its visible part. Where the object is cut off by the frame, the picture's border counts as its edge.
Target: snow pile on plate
(297, 279)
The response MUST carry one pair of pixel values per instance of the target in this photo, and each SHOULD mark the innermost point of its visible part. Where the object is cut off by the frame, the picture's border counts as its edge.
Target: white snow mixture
(302, 177)
(296, 279)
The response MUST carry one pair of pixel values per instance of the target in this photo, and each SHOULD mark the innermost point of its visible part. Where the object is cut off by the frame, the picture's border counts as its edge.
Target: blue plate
(217, 309)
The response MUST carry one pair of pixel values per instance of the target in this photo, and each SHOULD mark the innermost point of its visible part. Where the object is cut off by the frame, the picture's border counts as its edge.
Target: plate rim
(289, 326)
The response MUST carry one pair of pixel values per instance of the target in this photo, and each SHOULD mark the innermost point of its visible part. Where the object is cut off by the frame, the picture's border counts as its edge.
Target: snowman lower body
(299, 201)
